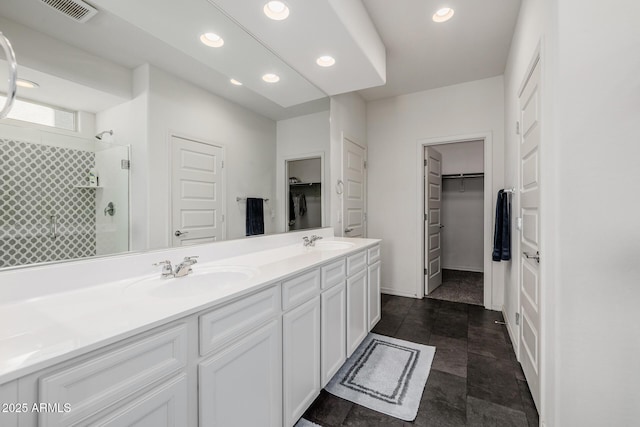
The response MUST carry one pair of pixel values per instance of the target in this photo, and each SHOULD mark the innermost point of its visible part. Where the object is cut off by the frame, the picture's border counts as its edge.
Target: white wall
(462, 157)
(301, 137)
(348, 117)
(394, 126)
(250, 150)
(462, 211)
(597, 201)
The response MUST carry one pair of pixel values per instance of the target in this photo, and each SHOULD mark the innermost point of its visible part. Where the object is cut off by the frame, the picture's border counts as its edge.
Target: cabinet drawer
(373, 254)
(333, 274)
(356, 263)
(103, 380)
(224, 324)
(300, 289)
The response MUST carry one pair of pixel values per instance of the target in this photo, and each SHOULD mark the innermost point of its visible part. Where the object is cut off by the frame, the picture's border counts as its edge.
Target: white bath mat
(385, 374)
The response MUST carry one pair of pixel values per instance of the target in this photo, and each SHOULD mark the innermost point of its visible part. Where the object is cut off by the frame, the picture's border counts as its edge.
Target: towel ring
(13, 75)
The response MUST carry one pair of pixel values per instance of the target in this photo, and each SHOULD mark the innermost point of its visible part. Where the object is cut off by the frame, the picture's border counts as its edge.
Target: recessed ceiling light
(27, 83)
(443, 14)
(211, 39)
(276, 10)
(271, 78)
(235, 82)
(326, 61)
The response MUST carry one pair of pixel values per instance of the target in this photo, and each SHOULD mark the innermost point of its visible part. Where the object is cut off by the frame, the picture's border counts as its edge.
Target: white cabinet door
(301, 359)
(164, 406)
(333, 330)
(374, 294)
(357, 320)
(242, 385)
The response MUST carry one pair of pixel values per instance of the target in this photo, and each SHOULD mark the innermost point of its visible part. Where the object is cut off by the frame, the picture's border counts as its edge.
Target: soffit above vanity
(339, 28)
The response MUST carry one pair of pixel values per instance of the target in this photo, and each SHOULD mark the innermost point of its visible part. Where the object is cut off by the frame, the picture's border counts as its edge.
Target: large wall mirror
(132, 131)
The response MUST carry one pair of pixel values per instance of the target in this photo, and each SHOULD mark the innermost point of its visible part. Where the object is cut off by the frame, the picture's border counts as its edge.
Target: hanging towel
(255, 216)
(292, 209)
(502, 231)
(302, 205)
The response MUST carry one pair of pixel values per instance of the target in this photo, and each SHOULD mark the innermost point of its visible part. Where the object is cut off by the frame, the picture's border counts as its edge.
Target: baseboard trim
(398, 293)
(512, 335)
(471, 269)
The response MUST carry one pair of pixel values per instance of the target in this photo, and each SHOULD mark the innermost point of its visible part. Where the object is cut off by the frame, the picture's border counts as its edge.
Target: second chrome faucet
(183, 269)
(310, 241)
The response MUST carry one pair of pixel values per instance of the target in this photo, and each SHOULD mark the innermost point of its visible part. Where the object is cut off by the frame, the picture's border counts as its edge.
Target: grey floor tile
(446, 388)
(388, 324)
(413, 331)
(483, 413)
(493, 380)
(359, 416)
(489, 342)
(398, 305)
(451, 361)
(454, 325)
(328, 410)
(528, 405)
(440, 341)
(439, 414)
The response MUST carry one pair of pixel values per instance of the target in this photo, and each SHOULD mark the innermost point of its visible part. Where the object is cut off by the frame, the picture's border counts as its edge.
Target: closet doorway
(454, 222)
(304, 177)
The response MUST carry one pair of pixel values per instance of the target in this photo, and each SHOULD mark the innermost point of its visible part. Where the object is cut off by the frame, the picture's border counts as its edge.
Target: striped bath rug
(385, 374)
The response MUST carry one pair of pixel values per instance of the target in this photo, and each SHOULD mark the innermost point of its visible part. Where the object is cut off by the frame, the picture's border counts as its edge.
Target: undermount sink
(204, 279)
(332, 246)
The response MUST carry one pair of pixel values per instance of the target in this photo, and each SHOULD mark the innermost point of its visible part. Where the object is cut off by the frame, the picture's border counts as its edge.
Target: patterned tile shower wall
(38, 181)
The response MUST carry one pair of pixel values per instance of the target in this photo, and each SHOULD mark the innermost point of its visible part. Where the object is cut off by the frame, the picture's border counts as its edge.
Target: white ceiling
(113, 38)
(422, 54)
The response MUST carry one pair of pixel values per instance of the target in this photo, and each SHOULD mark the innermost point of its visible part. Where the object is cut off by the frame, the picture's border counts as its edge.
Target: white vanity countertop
(40, 332)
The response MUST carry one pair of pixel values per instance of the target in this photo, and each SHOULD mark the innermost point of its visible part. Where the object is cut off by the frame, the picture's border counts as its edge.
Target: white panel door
(301, 359)
(354, 176)
(529, 105)
(432, 226)
(357, 320)
(196, 192)
(333, 331)
(242, 385)
(373, 290)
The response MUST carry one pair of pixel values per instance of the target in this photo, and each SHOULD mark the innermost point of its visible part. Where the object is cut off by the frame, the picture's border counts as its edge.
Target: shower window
(42, 114)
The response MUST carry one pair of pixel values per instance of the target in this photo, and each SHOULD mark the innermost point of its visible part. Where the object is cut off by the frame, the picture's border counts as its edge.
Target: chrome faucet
(310, 241)
(167, 269)
(184, 268)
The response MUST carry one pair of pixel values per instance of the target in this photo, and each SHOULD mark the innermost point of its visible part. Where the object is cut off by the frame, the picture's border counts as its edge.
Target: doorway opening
(461, 219)
(304, 184)
(455, 219)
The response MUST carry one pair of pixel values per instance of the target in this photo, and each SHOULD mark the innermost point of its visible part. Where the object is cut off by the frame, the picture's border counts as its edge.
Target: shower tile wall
(38, 181)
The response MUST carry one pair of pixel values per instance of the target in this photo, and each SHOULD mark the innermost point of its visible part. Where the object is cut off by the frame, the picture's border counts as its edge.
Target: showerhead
(101, 134)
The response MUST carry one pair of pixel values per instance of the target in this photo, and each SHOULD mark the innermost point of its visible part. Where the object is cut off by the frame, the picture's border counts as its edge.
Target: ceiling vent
(77, 10)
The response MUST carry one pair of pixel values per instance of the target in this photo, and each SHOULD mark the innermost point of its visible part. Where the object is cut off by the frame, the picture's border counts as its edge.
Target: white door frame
(487, 138)
(285, 199)
(341, 183)
(223, 174)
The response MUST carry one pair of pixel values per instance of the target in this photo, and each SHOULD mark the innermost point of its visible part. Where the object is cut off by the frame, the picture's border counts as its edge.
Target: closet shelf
(300, 184)
(463, 175)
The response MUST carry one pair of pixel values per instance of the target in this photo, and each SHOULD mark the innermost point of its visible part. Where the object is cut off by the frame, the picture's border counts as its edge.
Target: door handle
(441, 226)
(530, 256)
(179, 233)
(348, 230)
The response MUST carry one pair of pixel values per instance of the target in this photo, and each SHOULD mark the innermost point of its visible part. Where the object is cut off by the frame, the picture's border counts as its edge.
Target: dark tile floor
(460, 286)
(474, 380)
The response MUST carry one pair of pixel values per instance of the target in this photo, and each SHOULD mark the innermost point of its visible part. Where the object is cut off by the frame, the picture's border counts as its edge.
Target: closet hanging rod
(463, 175)
(244, 199)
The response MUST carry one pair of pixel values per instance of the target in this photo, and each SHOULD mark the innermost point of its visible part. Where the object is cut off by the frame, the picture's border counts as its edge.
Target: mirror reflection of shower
(101, 134)
(66, 197)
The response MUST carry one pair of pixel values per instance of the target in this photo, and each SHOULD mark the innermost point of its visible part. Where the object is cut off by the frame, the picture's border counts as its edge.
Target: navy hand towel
(255, 216)
(502, 231)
